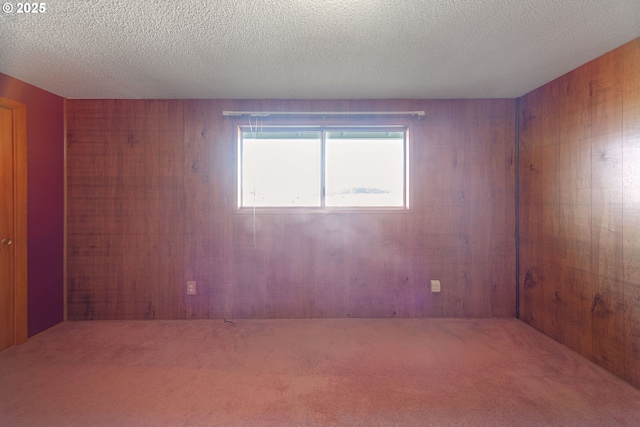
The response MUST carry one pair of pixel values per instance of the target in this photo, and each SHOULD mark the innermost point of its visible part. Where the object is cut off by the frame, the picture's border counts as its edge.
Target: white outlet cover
(435, 286)
(191, 287)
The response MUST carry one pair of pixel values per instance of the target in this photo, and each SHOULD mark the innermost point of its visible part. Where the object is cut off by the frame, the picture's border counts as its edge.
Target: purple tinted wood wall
(151, 204)
(45, 219)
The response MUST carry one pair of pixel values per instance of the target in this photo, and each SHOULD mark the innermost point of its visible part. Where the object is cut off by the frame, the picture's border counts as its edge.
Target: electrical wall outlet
(191, 287)
(435, 286)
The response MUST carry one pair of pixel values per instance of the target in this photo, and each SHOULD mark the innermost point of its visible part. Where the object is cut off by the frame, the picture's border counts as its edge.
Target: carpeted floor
(320, 372)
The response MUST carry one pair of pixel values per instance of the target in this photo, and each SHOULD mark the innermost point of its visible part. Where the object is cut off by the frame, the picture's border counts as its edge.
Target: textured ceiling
(308, 49)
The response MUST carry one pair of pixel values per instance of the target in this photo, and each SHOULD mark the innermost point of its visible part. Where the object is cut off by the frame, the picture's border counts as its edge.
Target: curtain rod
(321, 113)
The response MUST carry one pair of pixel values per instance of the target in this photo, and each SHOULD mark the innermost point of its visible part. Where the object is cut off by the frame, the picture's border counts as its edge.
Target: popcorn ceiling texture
(318, 49)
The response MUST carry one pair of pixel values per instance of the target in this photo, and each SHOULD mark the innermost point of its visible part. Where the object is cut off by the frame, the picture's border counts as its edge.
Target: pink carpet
(320, 372)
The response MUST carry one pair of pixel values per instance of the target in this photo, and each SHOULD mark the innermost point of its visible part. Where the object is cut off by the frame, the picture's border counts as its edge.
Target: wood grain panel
(579, 210)
(152, 193)
(631, 207)
(125, 201)
(607, 305)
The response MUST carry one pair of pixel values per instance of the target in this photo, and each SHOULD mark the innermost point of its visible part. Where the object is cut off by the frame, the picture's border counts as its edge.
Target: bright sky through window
(281, 172)
(364, 172)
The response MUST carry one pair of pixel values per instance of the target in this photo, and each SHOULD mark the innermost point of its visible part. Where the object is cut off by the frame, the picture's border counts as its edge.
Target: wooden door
(13, 268)
(7, 261)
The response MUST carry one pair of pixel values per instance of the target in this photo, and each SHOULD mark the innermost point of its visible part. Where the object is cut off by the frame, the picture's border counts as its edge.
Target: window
(322, 167)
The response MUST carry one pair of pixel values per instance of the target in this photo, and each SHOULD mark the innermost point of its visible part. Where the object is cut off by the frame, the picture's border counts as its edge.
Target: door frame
(19, 238)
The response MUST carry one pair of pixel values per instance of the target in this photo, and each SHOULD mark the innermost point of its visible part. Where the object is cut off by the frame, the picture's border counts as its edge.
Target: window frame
(324, 129)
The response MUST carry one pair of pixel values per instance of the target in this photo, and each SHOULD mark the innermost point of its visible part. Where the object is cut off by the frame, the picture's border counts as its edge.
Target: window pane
(281, 168)
(365, 169)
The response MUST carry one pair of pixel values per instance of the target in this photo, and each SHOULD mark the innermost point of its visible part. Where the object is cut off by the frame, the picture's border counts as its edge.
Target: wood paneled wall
(579, 209)
(152, 196)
